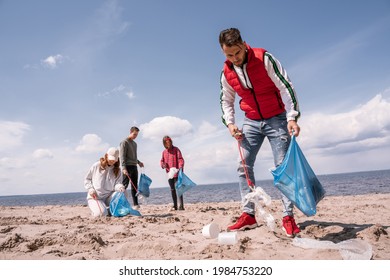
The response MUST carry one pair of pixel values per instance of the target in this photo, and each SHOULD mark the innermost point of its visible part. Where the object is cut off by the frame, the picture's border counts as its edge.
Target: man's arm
(280, 78)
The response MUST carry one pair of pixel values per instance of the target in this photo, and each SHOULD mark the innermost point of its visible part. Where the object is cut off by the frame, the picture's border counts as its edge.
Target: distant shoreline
(216, 184)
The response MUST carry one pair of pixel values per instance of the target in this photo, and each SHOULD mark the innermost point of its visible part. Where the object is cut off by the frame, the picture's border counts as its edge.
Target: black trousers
(172, 183)
(133, 174)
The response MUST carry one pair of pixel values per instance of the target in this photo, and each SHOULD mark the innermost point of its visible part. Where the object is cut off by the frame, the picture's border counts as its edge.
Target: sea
(343, 184)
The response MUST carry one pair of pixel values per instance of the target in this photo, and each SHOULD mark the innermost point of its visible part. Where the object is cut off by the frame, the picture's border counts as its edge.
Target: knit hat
(113, 154)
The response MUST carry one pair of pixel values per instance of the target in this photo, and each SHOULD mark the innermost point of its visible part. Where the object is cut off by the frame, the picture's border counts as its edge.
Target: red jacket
(263, 100)
(172, 158)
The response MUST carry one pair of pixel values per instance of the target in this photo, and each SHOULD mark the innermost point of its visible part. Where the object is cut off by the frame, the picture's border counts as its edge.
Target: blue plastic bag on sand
(144, 185)
(296, 180)
(183, 183)
(120, 206)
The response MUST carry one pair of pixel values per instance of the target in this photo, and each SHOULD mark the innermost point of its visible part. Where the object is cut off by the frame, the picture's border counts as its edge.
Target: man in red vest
(271, 111)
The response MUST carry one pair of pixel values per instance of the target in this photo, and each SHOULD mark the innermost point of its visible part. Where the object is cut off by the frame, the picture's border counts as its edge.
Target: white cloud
(53, 61)
(104, 27)
(207, 128)
(130, 94)
(91, 143)
(110, 19)
(65, 172)
(11, 134)
(12, 163)
(43, 153)
(167, 125)
(30, 66)
(365, 126)
(119, 90)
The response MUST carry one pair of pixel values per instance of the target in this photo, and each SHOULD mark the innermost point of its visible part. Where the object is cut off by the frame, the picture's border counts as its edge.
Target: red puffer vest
(263, 101)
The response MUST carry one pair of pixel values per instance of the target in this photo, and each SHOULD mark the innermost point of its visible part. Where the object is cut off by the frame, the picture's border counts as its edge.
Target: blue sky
(75, 75)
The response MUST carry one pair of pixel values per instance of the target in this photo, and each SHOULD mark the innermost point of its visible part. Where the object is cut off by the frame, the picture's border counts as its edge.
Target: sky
(76, 75)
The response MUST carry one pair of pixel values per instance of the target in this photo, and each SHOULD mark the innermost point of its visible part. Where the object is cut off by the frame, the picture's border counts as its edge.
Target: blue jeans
(255, 131)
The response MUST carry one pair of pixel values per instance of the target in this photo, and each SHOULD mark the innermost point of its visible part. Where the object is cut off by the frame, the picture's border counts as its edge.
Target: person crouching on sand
(103, 179)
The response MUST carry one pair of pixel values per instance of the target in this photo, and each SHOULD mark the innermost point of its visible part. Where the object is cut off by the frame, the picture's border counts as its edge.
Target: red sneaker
(288, 226)
(245, 221)
(296, 229)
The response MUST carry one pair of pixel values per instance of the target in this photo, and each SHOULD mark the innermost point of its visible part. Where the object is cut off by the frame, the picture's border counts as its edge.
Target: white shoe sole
(288, 235)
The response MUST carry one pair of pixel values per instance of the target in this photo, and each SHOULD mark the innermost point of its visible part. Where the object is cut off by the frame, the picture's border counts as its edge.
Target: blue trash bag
(144, 185)
(120, 206)
(296, 180)
(183, 183)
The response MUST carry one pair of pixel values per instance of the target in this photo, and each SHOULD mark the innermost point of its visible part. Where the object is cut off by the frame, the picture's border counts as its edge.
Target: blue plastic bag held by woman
(183, 183)
(296, 180)
(144, 185)
(120, 206)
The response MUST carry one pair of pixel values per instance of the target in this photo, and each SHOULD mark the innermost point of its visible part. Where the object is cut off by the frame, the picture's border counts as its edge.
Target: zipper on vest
(257, 103)
(252, 91)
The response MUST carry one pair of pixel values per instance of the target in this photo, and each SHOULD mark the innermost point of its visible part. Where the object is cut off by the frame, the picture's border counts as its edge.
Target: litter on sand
(257, 196)
(212, 231)
(350, 249)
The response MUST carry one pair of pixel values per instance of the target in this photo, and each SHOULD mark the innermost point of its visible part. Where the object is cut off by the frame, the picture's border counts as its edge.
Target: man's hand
(293, 126)
(124, 171)
(234, 131)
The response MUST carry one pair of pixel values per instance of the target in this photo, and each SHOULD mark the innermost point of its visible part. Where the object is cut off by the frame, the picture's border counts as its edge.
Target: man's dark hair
(230, 37)
(134, 128)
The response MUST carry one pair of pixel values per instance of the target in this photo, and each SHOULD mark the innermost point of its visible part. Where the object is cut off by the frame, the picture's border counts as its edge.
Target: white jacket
(103, 181)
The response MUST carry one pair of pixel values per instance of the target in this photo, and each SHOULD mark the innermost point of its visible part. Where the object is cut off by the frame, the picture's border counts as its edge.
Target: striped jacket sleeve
(227, 99)
(280, 78)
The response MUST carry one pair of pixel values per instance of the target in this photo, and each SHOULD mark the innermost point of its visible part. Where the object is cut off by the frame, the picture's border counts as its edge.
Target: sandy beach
(69, 232)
